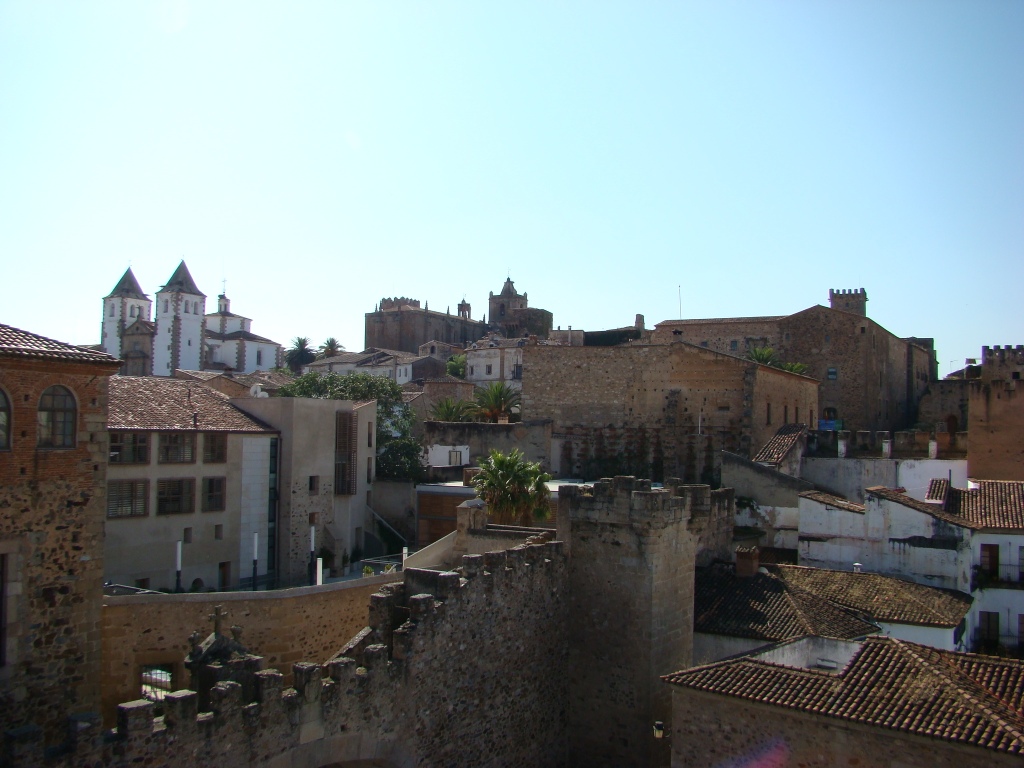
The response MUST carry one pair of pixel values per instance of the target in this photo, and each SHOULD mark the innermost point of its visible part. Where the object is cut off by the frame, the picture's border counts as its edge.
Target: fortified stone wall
(943, 406)
(653, 410)
(284, 627)
(405, 328)
(630, 615)
(995, 449)
(52, 506)
(454, 669)
(720, 730)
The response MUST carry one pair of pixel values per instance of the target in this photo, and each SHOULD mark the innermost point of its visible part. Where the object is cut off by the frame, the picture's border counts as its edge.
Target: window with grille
(57, 416)
(177, 448)
(156, 681)
(5, 421)
(129, 448)
(175, 497)
(215, 448)
(127, 498)
(214, 494)
(345, 454)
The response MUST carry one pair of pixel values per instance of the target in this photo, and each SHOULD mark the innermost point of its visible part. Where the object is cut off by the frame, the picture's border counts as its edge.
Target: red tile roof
(993, 504)
(16, 343)
(782, 443)
(831, 500)
(165, 404)
(766, 607)
(881, 598)
(935, 510)
(889, 684)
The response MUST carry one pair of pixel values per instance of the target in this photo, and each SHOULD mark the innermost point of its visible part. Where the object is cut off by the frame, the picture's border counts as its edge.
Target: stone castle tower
(180, 310)
(852, 300)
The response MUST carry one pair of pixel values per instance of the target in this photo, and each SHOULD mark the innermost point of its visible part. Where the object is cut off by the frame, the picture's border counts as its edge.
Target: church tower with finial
(180, 311)
(125, 305)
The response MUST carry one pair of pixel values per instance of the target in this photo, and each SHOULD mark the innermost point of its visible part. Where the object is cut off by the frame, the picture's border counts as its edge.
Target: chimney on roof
(748, 560)
(857, 567)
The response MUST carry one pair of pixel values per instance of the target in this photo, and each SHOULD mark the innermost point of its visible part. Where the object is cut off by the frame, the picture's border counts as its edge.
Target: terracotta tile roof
(937, 489)
(236, 335)
(782, 443)
(831, 500)
(765, 607)
(889, 684)
(935, 510)
(881, 598)
(165, 404)
(17, 343)
(993, 504)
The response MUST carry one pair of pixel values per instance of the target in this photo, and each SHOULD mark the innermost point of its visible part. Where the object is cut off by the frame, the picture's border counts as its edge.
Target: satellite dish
(257, 391)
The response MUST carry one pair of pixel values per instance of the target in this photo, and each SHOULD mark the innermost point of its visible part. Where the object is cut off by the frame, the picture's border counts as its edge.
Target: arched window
(186, 308)
(195, 307)
(111, 313)
(5, 421)
(131, 312)
(57, 417)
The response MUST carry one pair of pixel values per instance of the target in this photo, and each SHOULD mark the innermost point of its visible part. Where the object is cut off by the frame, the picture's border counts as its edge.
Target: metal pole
(177, 568)
(312, 555)
(255, 558)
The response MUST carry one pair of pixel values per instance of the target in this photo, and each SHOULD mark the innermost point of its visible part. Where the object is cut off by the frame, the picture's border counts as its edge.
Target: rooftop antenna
(224, 286)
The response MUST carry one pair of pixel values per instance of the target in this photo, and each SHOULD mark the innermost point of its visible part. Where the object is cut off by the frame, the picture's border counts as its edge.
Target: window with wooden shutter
(345, 454)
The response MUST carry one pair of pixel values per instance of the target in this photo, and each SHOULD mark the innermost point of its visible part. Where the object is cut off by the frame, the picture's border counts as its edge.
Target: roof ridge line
(946, 675)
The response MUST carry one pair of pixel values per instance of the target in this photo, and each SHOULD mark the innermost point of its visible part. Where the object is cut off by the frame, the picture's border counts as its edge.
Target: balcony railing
(997, 645)
(1000, 577)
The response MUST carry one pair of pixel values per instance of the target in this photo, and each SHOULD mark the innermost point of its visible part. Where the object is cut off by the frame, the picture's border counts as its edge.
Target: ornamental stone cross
(218, 617)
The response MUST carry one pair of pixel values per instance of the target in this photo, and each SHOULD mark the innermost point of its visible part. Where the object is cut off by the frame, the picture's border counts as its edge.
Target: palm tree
(513, 488)
(330, 348)
(762, 355)
(450, 409)
(299, 354)
(792, 367)
(496, 400)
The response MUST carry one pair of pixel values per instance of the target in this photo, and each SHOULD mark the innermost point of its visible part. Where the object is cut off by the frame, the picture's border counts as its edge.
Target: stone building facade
(870, 378)
(53, 464)
(513, 317)
(657, 410)
(995, 450)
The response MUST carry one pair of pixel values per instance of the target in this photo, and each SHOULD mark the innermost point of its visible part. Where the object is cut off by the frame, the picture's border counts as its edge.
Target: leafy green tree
(398, 453)
(450, 409)
(330, 348)
(513, 488)
(456, 366)
(497, 399)
(299, 354)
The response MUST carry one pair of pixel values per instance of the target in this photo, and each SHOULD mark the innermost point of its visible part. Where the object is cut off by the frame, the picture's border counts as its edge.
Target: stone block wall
(718, 730)
(532, 437)
(52, 506)
(630, 615)
(454, 669)
(284, 627)
(995, 449)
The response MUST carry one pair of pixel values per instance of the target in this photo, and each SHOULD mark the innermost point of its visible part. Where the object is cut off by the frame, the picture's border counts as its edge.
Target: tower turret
(180, 311)
(122, 307)
(853, 300)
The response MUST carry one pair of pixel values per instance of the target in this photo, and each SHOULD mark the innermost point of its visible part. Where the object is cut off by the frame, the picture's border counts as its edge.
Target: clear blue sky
(320, 156)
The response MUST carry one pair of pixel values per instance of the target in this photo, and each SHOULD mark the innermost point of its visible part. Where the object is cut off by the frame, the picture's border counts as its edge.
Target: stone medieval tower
(853, 300)
(180, 310)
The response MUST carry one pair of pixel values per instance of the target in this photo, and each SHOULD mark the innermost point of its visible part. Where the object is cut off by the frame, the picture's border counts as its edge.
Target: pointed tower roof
(128, 287)
(509, 288)
(181, 282)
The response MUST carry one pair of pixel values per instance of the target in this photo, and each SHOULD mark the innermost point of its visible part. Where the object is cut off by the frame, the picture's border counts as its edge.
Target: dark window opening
(57, 416)
(176, 448)
(214, 495)
(127, 498)
(215, 448)
(129, 448)
(5, 421)
(175, 497)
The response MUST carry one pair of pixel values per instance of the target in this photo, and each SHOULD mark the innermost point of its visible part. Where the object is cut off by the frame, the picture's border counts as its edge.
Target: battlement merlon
(623, 500)
(398, 302)
(1004, 354)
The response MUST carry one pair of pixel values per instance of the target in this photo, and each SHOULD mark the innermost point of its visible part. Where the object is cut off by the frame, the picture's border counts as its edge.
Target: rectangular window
(218, 532)
(177, 448)
(768, 413)
(175, 497)
(988, 626)
(369, 469)
(215, 447)
(488, 369)
(127, 498)
(129, 448)
(369, 434)
(990, 559)
(471, 370)
(785, 414)
(734, 345)
(213, 494)
(259, 357)
(455, 458)
(156, 681)
(314, 484)
(833, 373)
(186, 536)
(517, 372)
(345, 454)
(796, 414)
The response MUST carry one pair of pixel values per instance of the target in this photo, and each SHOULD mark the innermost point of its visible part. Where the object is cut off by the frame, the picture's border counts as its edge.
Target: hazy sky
(320, 156)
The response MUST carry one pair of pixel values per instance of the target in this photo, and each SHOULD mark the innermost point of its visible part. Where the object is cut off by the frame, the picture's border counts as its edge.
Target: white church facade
(181, 335)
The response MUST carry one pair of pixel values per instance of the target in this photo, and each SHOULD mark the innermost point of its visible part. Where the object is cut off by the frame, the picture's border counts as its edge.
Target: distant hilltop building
(401, 324)
(180, 335)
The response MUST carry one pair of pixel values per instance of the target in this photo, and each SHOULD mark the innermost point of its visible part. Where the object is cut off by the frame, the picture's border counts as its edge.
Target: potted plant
(367, 571)
(344, 563)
